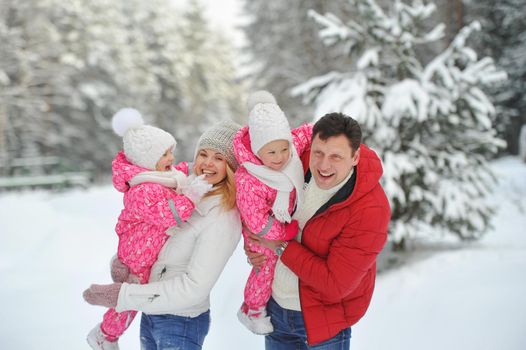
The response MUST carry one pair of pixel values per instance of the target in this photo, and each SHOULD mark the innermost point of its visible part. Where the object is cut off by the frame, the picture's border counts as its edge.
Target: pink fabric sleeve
(302, 138)
(160, 206)
(251, 197)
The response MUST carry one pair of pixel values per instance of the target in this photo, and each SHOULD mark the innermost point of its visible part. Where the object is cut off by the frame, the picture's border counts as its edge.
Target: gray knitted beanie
(220, 138)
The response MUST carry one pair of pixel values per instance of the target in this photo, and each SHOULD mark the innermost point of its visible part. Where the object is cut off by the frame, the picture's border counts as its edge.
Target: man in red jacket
(324, 279)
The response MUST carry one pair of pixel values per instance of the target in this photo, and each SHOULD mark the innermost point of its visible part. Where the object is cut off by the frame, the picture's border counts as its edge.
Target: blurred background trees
(66, 67)
(427, 84)
(430, 122)
(438, 87)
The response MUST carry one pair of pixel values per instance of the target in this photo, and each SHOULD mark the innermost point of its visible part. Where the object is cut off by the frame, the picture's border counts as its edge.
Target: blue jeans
(289, 332)
(160, 332)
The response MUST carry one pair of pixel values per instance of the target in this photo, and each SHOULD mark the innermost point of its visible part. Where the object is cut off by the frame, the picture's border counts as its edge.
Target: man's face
(331, 160)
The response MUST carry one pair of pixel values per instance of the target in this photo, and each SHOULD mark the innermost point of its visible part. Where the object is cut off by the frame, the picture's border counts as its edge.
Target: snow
(471, 298)
(53, 245)
(369, 58)
(406, 98)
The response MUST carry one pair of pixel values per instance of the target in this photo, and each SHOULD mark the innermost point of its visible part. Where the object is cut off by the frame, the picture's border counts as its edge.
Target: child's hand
(103, 295)
(196, 188)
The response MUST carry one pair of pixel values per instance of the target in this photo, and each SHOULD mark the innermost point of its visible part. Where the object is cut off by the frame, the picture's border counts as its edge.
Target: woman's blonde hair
(227, 189)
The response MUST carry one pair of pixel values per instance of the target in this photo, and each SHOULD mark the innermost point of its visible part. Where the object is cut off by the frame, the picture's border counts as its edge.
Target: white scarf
(284, 181)
(171, 179)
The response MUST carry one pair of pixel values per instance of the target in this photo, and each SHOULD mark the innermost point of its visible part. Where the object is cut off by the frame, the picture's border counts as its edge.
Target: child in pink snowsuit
(143, 171)
(269, 184)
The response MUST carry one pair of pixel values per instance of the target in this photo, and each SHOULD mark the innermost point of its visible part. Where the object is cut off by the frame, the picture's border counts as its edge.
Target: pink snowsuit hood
(123, 171)
(242, 149)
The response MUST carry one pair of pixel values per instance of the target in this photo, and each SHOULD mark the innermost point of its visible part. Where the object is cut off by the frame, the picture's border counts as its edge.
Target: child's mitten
(119, 271)
(103, 294)
(291, 230)
(196, 188)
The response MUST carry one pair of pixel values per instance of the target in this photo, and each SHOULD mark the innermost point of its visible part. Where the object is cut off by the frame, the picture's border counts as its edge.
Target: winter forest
(438, 87)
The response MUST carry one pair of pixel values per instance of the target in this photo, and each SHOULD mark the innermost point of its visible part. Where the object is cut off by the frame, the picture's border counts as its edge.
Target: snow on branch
(334, 30)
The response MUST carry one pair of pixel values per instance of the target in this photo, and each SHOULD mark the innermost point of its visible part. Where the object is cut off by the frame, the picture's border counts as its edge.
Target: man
(324, 279)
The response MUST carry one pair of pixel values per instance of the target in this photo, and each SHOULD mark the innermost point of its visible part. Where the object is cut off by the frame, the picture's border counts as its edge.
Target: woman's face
(212, 164)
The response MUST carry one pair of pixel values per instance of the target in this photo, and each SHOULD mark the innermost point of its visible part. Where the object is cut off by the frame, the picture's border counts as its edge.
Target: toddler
(143, 171)
(269, 184)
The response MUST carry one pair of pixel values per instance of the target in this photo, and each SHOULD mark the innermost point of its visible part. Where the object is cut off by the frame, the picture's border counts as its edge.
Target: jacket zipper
(161, 274)
(330, 208)
(151, 297)
(299, 286)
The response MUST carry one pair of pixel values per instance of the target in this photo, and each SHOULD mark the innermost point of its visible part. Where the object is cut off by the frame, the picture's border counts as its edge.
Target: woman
(176, 301)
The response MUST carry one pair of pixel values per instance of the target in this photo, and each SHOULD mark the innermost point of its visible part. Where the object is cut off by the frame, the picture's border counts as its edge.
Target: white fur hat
(143, 144)
(266, 121)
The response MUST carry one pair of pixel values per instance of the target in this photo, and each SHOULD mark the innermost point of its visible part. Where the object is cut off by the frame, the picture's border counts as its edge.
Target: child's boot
(256, 321)
(98, 341)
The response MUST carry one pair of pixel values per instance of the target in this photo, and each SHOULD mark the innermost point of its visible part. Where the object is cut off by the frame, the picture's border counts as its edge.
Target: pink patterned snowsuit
(254, 201)
(149, 210)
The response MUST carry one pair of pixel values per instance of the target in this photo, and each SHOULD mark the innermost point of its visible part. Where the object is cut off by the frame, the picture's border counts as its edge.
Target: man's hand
(103, 294)
(267, 243)
(254, 258)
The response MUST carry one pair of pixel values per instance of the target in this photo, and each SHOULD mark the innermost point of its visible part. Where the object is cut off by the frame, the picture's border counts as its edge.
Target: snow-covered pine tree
(157, 26)
(285, 50)
(503, 37)
(32, 79)
(104, 77)
(64, 73)
(66, 67)
(431, 125)
(209, 87)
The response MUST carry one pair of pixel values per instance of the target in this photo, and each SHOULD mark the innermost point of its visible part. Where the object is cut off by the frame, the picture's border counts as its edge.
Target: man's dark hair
(335, 124)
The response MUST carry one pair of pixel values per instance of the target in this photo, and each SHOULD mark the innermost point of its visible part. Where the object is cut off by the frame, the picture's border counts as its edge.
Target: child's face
(212, 164)
(275, 154)
(166, 161)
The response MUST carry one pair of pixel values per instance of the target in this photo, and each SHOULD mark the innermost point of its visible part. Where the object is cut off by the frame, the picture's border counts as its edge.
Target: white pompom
(260, 97)
(125, 119)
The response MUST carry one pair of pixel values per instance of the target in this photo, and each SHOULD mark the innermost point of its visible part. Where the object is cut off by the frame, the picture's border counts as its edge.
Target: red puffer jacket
(336, 260)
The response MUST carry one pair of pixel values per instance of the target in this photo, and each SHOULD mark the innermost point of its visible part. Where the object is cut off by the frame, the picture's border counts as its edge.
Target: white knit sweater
(285, 287)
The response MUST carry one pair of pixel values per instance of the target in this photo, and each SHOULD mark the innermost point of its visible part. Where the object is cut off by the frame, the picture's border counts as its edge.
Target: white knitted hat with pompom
(266, 121)
(143, 144)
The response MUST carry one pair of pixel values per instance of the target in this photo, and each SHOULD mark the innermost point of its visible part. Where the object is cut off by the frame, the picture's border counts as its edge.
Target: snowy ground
(52, 246)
